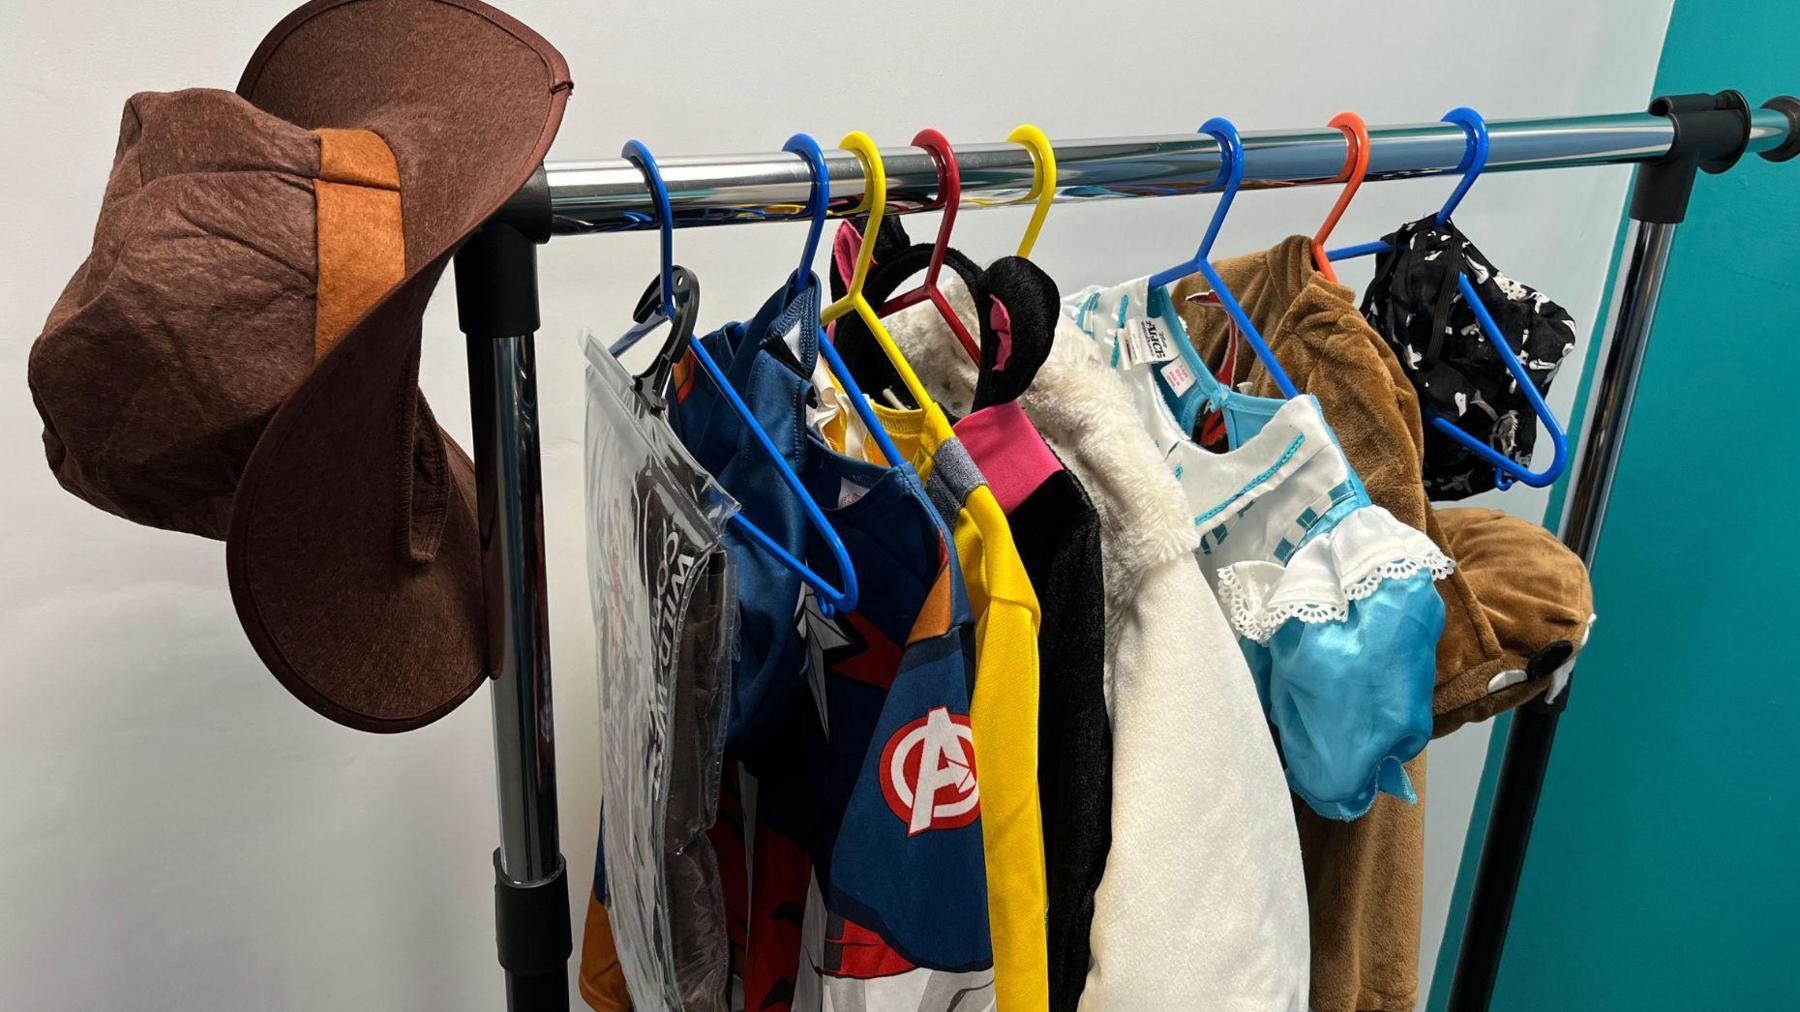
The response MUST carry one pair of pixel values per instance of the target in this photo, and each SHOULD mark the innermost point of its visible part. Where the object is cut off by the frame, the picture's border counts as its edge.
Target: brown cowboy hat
(238, 357)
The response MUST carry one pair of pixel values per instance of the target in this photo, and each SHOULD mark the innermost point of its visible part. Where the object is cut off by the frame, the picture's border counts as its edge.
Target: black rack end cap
(528, 210)
(1712, 131)
(1788, 106)
(496, 269)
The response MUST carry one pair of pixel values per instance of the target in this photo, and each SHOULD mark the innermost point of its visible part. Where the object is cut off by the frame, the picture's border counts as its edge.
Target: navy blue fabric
(771, 655)
(818, 765)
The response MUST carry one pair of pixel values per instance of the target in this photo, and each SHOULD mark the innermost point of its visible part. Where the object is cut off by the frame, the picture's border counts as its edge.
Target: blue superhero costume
(854, 725)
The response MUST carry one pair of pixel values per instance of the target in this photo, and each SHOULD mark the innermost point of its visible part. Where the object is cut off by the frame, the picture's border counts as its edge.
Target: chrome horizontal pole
(610, 196)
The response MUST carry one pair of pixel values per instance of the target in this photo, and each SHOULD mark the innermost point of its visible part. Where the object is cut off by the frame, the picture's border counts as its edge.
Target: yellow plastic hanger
(1043, 182)
(875, 204)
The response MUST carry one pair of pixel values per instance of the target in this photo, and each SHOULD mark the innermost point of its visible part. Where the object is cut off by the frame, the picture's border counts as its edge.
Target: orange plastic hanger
(949, 197)
(1356, 166)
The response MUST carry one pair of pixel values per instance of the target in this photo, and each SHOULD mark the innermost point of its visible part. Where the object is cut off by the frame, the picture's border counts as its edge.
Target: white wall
(177, 833)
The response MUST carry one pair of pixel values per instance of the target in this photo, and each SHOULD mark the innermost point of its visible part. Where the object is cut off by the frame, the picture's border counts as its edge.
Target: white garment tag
(849, 492)
(1179, 377)
(1145, 340)
(792, 337)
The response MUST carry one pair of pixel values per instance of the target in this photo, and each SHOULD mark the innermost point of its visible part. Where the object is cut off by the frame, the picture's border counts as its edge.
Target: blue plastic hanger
(1231, 176)
(818, 201)
(831, 597)
(1506, 470)
(1474, 159)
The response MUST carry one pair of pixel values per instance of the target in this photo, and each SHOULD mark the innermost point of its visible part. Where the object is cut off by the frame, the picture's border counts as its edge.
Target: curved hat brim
(353, 552)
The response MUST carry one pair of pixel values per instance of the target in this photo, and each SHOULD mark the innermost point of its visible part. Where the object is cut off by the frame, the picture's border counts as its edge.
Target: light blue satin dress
(1332, 598)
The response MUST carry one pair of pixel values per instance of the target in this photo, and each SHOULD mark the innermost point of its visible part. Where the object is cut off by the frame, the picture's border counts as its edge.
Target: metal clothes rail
(609, 196)
(498, 305)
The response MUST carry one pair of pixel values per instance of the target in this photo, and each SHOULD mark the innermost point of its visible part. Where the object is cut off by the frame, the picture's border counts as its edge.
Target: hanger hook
(818, 207)
(949, 197)
(874, 204)
(1475, 156)
(639, 155)
(1356, 167)
(818, 199)
(1043, 180)
(1230, 177)
(1227, 182)
(829, 596)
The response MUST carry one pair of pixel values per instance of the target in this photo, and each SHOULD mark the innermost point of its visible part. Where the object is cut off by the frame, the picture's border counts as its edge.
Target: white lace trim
(1436, 561)
(1260, 597)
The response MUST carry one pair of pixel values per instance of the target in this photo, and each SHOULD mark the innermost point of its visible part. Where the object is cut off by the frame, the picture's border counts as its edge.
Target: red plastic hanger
(949, 197)
(1356, 166)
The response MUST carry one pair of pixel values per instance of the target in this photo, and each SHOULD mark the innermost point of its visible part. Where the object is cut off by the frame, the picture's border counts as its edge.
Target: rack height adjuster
(531, 923)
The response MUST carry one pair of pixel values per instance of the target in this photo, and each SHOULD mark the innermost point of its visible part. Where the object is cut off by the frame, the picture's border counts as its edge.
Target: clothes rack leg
(1528, 743)
(497, 301)
(1712, 132)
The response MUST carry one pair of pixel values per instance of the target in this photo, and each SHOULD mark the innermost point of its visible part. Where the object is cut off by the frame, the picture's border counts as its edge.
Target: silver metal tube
(610, 196)
(509, 492)
(1615, 390)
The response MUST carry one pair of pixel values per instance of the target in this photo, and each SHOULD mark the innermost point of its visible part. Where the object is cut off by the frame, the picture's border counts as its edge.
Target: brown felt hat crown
(238, 356)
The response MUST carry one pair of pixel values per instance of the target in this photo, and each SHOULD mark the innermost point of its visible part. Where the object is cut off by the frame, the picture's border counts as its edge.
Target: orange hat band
(361, 247)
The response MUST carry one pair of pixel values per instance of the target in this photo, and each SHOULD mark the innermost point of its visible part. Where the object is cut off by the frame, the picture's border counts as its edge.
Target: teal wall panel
(1665, 868)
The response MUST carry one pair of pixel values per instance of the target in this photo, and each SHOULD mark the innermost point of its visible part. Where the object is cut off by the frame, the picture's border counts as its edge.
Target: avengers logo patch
(928, 773)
